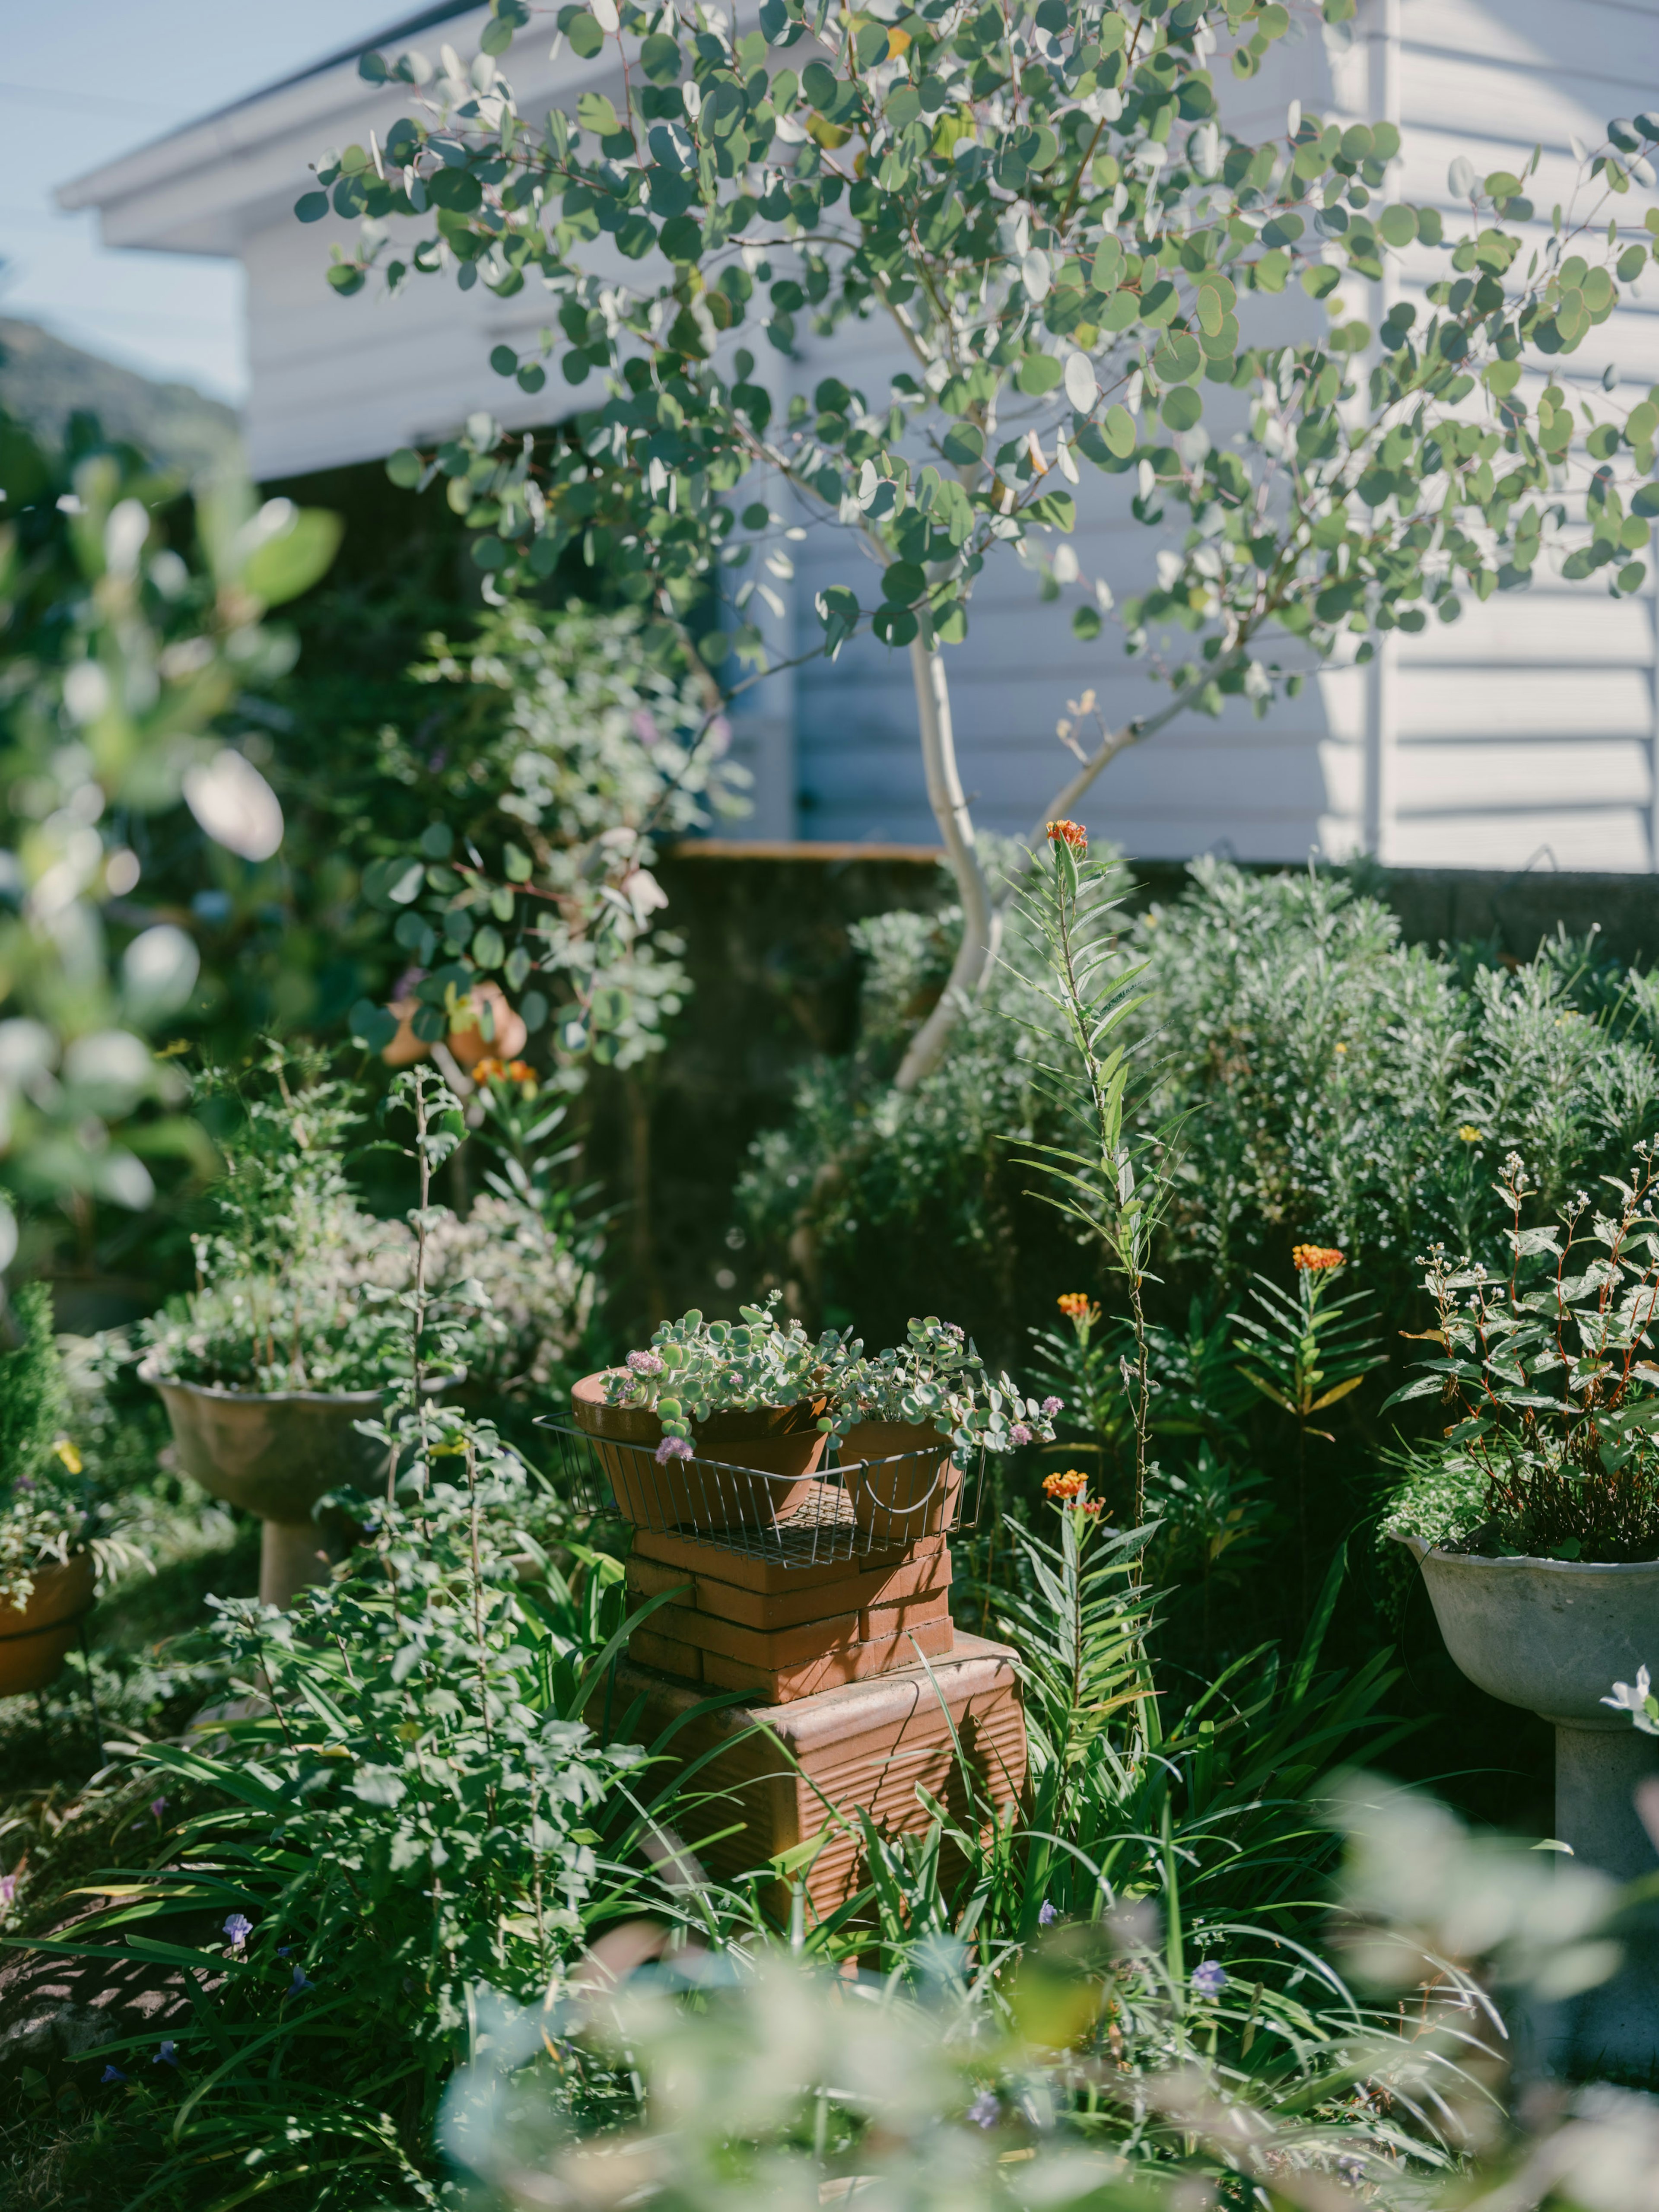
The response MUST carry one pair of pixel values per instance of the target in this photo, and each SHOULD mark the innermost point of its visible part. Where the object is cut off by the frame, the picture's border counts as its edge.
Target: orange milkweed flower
(1067, 1486)
(1315, 1258)
(1069, 833)
(1077, 1305)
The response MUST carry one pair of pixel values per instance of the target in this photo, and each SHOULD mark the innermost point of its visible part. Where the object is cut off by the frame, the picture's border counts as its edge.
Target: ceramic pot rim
(148, 1371)
(1421, 1550)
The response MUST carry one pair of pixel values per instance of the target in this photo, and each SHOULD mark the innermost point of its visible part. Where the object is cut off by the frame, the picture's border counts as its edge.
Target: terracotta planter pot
(779, 1441)
(35, 1639)
(470, 1045)
(913, 1495)
(1553, 1635)
(275, 1453)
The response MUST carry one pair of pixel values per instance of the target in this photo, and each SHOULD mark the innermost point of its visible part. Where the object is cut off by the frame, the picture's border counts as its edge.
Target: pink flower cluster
(645, 1363)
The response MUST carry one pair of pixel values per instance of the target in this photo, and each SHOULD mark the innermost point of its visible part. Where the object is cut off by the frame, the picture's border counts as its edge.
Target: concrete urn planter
(276, 1453)
(1554, 1636)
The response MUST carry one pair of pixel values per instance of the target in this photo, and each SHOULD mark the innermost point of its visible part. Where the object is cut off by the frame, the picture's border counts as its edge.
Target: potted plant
(894, 1411)
(705, 1398)
(299, 1329)
(48, 1562)
(1534, 1516)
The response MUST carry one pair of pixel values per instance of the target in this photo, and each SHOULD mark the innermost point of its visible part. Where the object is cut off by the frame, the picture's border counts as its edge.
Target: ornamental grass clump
(1550, 1383)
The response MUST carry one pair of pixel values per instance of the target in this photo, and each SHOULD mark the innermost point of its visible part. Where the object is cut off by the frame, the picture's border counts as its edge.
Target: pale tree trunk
(982, 914)
(981, 917)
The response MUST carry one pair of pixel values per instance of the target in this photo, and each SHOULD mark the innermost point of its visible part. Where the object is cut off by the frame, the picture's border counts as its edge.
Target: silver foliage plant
(1044, 208)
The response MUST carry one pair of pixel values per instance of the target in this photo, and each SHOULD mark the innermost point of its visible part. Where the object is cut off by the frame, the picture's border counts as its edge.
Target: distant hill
(43, 382)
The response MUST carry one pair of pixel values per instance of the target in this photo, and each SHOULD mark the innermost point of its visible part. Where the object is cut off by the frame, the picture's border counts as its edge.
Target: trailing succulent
(936, 1377)
(692, 1368)
(695, 1367)
(1550, 1382)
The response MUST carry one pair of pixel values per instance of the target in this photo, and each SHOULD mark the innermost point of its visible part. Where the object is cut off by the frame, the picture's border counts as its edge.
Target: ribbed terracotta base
(865, 1623)
(861, 1746)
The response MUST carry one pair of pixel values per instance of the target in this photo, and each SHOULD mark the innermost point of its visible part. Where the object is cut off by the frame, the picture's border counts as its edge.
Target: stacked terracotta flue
(832, 1610)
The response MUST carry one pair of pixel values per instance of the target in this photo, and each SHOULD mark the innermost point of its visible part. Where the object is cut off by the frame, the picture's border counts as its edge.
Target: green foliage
(301, 1288)
(117, 661)
(936, 1376)
(1548, 1377)
(1328, 1083)
(695, 1367)
(550, 757)
(1078, 159)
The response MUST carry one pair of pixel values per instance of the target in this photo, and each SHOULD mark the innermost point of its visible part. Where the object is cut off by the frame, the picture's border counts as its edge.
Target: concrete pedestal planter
(276, 1454)
(36, 1638)
(1553, 1635)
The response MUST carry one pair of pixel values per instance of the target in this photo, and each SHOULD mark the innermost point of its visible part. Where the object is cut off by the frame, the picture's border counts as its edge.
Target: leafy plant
(1063, 268)
(1549, 1377)
(553, 756)
(117, 661)
(936, 1376)
(694, 1368)
(1309, 1351)
(299, 1284)
(1108, 1179)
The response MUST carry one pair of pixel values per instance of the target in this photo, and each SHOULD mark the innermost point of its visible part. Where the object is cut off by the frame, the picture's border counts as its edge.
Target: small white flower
(1635, 1701)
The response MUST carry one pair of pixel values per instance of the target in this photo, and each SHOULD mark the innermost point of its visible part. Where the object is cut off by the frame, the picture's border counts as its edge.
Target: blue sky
(85, 80)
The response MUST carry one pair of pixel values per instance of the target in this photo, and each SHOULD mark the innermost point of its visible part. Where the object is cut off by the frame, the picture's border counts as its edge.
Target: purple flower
(1019, 1434)
(111, 2073)
(24, 1482)
(238, 1928)
(985, 2112)
(1046, 1916)
(166, 2055)
(157, 1807)
(719, 736)
(301, 1981)
(1051, 1406)
(1210, 1979)
(8, 1889)
(645, 726)
(673, 1447)
(645, 1363)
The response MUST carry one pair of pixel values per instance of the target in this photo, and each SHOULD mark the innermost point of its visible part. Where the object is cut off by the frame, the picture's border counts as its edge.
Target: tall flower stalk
(1110, 1180)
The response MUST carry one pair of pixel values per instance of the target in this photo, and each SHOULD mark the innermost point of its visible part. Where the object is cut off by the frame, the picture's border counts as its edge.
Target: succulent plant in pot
(705, 1398)
(893, 1412)
(1535, 1518)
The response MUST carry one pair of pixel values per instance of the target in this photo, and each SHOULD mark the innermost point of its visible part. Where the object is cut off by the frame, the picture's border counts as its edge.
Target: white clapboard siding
(1523, 734)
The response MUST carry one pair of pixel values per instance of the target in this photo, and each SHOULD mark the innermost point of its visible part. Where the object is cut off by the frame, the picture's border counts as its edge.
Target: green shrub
(1329, 1083)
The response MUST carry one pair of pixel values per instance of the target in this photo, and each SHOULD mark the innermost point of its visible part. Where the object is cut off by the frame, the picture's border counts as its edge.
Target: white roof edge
(237, 130)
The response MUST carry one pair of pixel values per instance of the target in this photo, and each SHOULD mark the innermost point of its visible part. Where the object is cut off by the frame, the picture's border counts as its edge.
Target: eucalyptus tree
(1042, 204)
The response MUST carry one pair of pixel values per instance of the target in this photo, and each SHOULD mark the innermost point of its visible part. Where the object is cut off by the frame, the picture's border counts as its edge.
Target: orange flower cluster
(503, 1071)
(1069, 833)
(1067, 1486)
(1076, 1305)
(1314, 1259)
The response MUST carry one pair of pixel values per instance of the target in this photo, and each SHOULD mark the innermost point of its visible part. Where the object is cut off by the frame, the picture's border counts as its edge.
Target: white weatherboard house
(1525, 735)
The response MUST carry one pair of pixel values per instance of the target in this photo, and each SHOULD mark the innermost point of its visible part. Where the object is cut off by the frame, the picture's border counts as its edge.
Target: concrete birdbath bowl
(276, 1454)
(1554, 1636)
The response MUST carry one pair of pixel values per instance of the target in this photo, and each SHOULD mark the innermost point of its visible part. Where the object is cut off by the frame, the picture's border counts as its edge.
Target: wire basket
(838, 1512)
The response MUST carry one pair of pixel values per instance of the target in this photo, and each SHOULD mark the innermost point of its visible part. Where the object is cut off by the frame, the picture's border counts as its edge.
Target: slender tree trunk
(981, 918)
